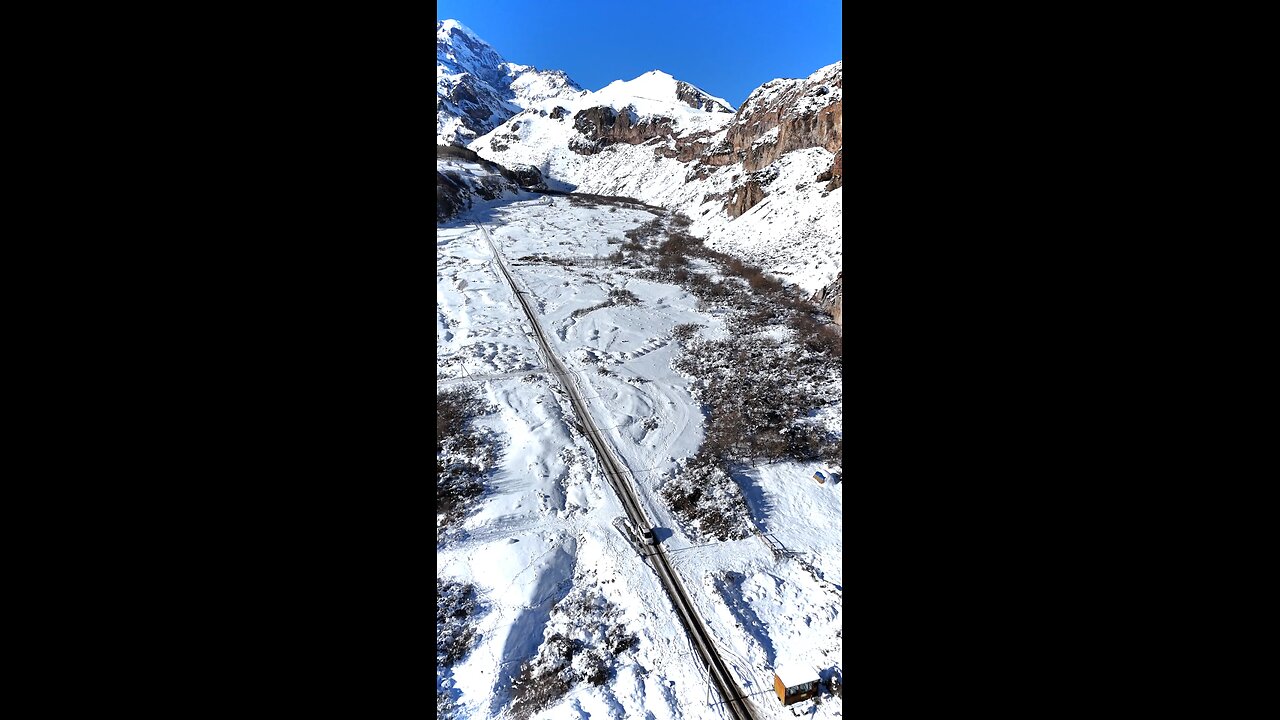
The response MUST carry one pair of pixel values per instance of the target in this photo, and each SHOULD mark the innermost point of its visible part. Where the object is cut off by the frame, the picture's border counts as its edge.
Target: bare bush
(684, 331)
(583, 639)
(463, 454)
(651, 229)
(759, 395)
(623, 296)
(456, 611)
(678, 243)
(707, 502)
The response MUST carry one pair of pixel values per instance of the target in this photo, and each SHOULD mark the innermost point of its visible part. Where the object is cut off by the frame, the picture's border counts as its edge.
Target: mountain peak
(446, 27)
(659, 85)
(477, 89)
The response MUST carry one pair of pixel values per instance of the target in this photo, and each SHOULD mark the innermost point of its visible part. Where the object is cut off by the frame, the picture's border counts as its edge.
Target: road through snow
(616, 472)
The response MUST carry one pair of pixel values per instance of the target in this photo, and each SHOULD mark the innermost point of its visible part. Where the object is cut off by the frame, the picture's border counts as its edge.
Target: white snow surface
(655, 87)
(794, 233)
(545, 525)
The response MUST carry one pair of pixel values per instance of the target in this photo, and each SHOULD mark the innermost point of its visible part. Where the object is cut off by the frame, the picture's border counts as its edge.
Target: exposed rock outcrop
(603, 126)
(745, 197)
(830, 298)
(834, 174)
(778, 117)
(451, 196)
(750, 192)
(698, 100)
(807, 112)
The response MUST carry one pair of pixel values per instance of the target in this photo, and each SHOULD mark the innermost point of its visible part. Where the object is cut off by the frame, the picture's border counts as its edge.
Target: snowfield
(548, 565)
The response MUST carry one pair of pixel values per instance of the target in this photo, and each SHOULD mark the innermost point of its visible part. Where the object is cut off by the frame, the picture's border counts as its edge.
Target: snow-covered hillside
(564, 619)
(476, 89)
(758, 183)
(463, 178)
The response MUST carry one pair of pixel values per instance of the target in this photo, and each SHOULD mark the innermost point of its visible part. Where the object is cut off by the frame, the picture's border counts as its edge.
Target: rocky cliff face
(477, 90)
(785, 115)
(831, 299)
(603, 126)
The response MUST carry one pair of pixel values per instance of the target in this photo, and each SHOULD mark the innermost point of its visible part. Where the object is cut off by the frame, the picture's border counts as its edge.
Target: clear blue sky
(726, 47)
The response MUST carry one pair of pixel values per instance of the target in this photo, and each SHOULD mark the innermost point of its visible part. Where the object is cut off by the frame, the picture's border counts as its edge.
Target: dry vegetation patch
(759, 386)
(464, 453)
(583, 639)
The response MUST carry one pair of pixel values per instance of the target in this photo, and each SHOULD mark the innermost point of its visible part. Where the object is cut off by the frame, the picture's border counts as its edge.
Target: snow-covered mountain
(762, 183)
(476, 89)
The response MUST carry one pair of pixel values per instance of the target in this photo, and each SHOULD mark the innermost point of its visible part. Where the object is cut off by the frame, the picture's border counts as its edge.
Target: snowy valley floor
(541, 548)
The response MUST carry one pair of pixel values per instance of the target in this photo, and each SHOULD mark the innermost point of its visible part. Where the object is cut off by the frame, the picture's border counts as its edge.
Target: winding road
(616, 473)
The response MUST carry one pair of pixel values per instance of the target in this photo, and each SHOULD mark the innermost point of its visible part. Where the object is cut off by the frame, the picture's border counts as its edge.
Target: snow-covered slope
(476, 89)
(657, 90)
(464, 178)
(762, 183)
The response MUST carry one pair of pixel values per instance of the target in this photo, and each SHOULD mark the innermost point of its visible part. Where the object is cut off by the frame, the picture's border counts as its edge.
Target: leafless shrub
(623, 296)
(759, 394)
(671, 262)
(707, 502)
(455, 407)
(462, 454)
(684, 331)
(456, 609)
(680, 244)
(616, 296)
(563, 662)
(651, 229)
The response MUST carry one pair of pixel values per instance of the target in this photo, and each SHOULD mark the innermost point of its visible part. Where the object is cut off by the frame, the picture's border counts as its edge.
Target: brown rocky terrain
(781, 116)
(603, 126)
(698, 100)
